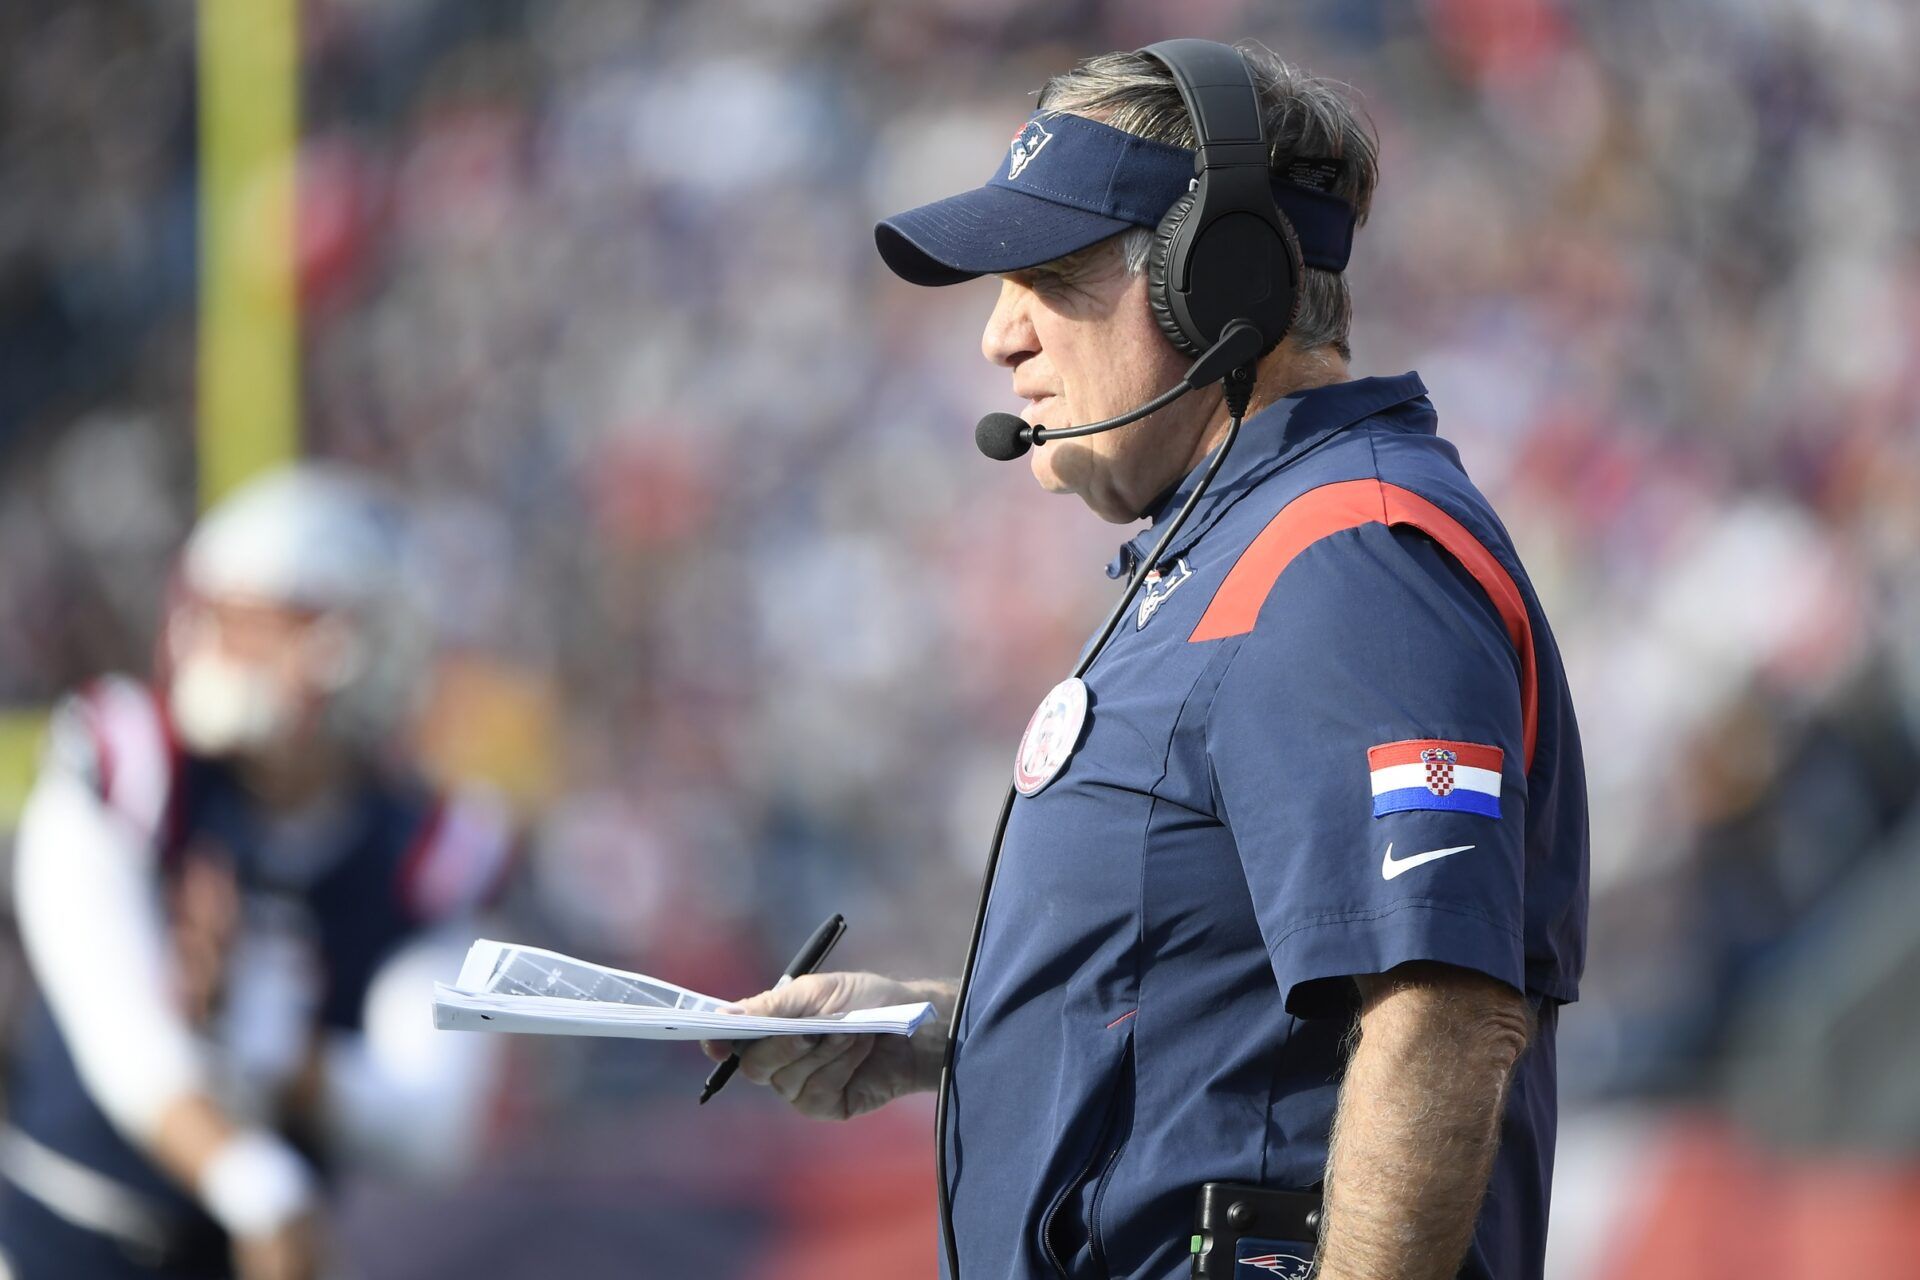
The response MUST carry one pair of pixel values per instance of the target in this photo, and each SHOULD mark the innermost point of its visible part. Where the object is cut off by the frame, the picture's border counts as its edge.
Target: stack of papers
(505, 987)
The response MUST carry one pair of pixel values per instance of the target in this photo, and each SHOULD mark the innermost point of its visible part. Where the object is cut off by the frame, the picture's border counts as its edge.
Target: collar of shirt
(1270, 440)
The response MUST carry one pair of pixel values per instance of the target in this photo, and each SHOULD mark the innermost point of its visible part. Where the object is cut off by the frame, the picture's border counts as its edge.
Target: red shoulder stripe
(1348, 504)
(88, 706)
(413, 862)
(134, 751)
(459, 857)
(1313, 515)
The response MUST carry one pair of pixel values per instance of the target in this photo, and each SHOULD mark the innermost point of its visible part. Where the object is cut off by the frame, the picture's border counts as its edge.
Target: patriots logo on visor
(1288, 1266)
(1026, 145)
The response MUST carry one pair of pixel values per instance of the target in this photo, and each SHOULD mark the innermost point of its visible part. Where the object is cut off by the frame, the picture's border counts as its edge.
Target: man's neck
(289, 780)
(1285, 371)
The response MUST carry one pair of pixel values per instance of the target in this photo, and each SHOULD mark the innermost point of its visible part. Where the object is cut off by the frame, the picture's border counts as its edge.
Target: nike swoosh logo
(1390, 868)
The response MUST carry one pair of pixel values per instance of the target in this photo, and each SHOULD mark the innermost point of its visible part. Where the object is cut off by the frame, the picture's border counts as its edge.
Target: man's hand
(252, 1183)
(1419, 1121)
(205, 921)
(838, 1077)
(290, 1253)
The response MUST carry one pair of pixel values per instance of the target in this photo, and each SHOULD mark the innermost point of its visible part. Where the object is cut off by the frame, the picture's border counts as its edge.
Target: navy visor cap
(1068, 182)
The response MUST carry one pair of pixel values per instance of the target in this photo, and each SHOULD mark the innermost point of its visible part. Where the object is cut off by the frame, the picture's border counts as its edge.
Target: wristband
(255, 1184)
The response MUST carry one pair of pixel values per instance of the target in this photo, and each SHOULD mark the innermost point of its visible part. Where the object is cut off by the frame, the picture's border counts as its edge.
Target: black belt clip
(1253, 1233)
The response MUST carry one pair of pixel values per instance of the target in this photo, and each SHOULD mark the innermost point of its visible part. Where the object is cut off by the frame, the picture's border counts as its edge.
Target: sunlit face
(251, 676)
(1082, 345)
(277, 640)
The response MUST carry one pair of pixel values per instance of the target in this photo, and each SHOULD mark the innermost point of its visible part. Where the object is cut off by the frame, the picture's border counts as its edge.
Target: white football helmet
(318, 539)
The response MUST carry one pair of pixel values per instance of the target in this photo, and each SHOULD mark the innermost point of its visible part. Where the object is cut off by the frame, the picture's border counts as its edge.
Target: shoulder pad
(113, 736)
(459, 857)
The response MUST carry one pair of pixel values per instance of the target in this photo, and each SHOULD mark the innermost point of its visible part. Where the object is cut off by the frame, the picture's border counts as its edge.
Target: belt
(86, 1197)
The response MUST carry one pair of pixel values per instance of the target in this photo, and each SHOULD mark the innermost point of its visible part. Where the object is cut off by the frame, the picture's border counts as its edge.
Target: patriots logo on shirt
(1158, 586)
(1026, 145)
(1288, 1266)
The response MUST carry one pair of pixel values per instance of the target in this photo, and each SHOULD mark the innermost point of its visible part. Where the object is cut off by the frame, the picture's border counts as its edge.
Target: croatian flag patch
(1427, 773)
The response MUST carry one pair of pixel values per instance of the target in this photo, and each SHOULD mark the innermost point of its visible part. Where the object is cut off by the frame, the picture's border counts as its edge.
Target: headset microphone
(1003, 437)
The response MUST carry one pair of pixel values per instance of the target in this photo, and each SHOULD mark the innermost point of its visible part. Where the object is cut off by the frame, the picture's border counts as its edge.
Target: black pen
(811, 957)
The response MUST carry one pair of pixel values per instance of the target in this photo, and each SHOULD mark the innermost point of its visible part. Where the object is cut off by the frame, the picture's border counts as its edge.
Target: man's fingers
(790, 1079)
(824, 1095)
(801, 998)
(761, 1059)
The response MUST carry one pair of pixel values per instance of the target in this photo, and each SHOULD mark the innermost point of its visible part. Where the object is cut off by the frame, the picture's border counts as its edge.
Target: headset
(1224, 251)
(1223, 281)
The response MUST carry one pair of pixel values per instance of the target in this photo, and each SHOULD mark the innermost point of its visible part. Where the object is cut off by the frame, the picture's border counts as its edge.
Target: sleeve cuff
(255, 1184)
(1312, 953)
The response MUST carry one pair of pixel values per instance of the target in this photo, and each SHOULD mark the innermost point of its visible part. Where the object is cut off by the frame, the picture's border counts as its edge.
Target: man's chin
(1040, 462)
(1050, 479)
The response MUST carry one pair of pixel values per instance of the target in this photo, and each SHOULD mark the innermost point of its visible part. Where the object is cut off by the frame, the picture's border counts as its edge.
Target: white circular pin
(1051, 736)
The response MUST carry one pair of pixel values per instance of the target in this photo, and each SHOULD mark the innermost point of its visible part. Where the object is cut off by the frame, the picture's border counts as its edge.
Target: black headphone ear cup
(1159, 273)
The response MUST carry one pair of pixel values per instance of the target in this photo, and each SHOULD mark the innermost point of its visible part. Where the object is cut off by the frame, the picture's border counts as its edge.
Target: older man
(1294, 891)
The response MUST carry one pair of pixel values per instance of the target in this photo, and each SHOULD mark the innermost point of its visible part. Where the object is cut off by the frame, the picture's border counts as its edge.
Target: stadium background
(734, 613)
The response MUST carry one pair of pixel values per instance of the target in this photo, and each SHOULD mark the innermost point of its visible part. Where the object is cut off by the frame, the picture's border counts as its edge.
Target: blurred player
(232, 896)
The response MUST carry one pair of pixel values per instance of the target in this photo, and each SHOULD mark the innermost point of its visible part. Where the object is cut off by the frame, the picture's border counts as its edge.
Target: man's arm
(397, 1095)
(91, 925)
(1419, 1121)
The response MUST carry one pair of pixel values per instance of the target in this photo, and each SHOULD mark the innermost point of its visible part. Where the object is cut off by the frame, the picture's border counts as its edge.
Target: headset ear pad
(1159, 294)
(1273, 310)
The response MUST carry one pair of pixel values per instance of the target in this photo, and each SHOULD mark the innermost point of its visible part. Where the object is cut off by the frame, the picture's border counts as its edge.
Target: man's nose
(1009, 337)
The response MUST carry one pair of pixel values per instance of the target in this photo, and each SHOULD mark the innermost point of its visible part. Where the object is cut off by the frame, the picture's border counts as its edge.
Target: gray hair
(1307, 118)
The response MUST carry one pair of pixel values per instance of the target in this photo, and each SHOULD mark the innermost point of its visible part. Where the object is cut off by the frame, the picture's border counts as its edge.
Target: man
(232, 903)
(1300, 906)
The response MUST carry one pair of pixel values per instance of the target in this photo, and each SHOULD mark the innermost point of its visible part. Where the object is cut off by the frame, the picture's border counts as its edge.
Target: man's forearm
(249, 1180)
(1418, 1123)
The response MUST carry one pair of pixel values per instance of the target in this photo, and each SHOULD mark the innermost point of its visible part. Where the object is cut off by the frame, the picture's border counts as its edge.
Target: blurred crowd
(731, 608)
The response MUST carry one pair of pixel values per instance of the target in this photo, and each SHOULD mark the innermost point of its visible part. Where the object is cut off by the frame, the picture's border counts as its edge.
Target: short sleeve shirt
(1333, 736)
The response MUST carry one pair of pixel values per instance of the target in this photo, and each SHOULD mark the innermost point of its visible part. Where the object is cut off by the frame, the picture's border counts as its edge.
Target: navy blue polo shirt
(1333, 737)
